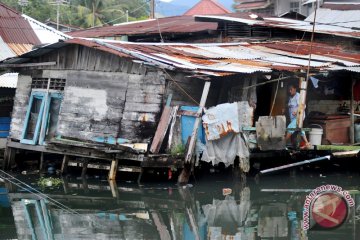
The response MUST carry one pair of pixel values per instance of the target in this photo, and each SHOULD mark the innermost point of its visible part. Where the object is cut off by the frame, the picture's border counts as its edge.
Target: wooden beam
(64, 165)
(193, 138)
(20, 65)
(84, 169)
(162, 127)
(79, 152)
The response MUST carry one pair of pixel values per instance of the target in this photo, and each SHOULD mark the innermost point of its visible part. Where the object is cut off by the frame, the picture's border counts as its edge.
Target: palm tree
(90, 12)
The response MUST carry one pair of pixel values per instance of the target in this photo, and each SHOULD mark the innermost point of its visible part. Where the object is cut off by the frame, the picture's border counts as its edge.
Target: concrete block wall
(325, 106)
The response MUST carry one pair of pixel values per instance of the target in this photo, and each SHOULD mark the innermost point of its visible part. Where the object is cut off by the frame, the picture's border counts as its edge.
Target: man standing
(293, 106)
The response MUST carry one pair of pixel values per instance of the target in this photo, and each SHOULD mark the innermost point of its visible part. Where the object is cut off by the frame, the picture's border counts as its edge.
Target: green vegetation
(84, 13)
(49, 182)
(177, 150)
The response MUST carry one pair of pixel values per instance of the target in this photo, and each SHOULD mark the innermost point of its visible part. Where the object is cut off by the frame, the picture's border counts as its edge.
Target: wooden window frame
(42, 121)
(44, 125)
(34, 140)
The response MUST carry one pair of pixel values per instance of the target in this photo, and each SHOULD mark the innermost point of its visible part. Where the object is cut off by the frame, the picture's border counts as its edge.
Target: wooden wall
(105, 95)
(110, 96)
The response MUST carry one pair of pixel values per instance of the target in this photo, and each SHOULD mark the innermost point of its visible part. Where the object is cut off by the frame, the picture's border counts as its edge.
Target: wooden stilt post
(352, 118)
(185, 174)
(64, 165)
(6, 159)
(85, 184)
(302, 103)
(9, 158)
(41, 166)
(65, 185)
(140, 175)
(114, 189)
(84, 169)
(113, 169)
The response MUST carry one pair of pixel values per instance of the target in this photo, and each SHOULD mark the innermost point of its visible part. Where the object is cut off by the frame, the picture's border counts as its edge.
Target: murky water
(215, 207)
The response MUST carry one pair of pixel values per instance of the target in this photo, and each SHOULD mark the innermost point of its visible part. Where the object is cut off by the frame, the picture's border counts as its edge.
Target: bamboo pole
(304, 82)
(295, 164)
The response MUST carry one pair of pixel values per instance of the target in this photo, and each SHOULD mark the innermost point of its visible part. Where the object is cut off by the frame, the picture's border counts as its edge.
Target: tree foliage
(84, 13)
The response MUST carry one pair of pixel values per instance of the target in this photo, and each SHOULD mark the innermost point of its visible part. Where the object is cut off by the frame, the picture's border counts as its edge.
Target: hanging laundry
(227, 118)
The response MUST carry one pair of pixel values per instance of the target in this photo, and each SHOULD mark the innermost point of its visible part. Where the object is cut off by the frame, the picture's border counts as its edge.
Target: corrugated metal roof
(304, 26)
(45, 33)
(346, 19)
(204, 58)
(8, 80)
(20, 48)
(342, 6)
(207, 7)
(178, 24)
(250, 5)
(14, 28)
(350, 69)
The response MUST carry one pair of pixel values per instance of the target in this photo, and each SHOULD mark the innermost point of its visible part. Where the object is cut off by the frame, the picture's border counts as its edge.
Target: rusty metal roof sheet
(275, 22)
(203, 58)
(14, 28)
(168, 25)
(207, 7)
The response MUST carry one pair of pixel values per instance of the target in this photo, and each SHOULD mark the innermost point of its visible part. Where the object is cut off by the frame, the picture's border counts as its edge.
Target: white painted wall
(283, 6)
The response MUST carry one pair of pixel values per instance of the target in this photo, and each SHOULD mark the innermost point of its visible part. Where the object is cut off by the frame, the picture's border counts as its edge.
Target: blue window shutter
(47, 115)
(33, 141)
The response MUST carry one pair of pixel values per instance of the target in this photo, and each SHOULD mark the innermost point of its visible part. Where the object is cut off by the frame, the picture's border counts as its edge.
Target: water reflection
(269, 208)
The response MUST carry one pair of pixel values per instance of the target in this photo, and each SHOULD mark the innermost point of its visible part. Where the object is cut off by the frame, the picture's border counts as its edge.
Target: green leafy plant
(178, 149)
(49, 182)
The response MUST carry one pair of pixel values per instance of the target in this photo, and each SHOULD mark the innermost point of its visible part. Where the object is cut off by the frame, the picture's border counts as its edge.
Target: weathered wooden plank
(197, 122)
(172, 131)
(21, 65)
(105, 166)
(163, 162)
(91, 153)
(162, 127)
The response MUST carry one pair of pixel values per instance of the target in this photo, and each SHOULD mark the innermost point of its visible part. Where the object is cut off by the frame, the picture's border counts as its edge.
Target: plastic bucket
(315, 135)
(357, 132)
